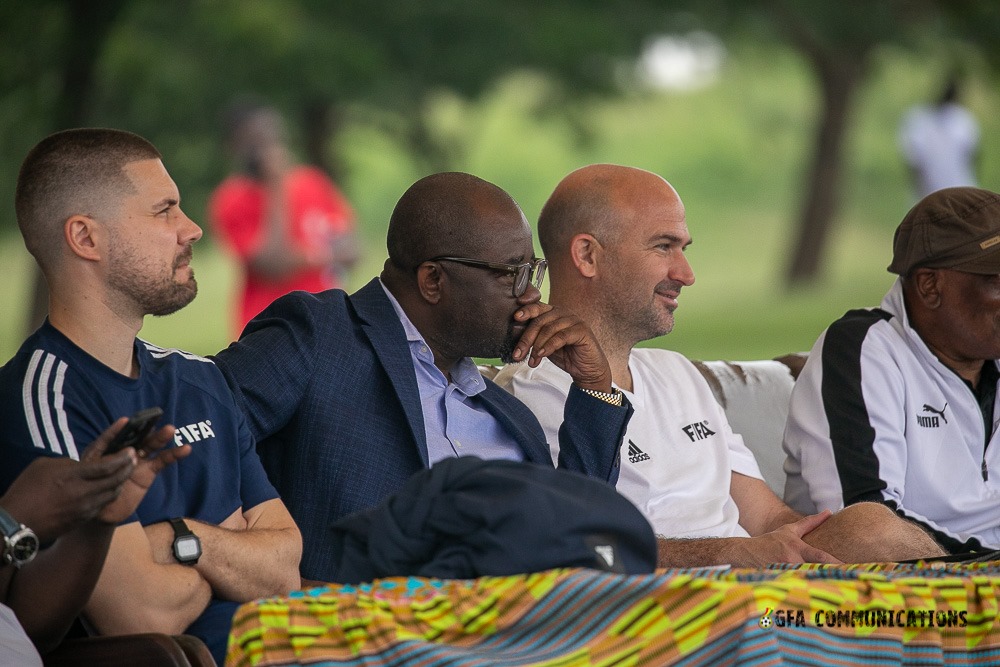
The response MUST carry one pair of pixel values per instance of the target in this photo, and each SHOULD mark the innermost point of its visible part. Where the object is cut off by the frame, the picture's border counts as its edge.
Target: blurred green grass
(736, 152)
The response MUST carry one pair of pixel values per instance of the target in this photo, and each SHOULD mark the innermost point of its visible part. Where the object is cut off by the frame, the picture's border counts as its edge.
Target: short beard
(170, 302)
(506, 353)
(157, 296)
(502, 349)
(630, 322)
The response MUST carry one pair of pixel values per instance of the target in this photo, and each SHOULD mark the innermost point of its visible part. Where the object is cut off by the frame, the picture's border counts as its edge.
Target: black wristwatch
(20, 544)
(187, 546)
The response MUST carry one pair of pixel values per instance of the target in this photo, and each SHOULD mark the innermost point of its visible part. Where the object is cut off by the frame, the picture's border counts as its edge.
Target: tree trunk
(320, 123)
(839, 81)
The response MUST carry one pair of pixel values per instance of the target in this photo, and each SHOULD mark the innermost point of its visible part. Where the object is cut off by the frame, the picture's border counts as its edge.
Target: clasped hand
(785, 544)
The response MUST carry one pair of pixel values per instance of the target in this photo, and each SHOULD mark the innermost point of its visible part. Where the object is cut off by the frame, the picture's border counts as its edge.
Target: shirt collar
(465, 374)
(895, 303)
(412, 334)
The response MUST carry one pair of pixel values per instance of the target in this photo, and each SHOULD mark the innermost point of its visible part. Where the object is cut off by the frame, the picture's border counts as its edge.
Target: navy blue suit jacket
(328, 387)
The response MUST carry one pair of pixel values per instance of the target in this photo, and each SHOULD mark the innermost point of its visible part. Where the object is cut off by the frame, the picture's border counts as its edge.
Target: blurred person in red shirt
(288, 224)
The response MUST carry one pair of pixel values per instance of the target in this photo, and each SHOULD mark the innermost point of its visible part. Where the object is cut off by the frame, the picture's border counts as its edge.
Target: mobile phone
(135, 430)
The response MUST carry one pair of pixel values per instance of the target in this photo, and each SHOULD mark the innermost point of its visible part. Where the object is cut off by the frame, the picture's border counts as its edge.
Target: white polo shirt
(679, 450)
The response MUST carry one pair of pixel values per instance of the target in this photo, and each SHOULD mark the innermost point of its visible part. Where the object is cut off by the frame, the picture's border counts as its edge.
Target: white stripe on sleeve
(29, 404)
(61, 412)
(43, 404)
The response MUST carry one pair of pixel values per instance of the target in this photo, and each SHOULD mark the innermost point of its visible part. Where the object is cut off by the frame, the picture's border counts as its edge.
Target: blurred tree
(839, 40)
(77, 43)
(165, 70)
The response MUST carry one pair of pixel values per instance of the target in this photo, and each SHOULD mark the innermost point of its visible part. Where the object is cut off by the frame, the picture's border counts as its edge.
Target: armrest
(149, 650)
(195, 650)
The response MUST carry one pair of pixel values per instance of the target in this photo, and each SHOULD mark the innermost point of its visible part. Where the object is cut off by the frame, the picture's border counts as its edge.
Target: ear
(430, 282)
(584, 250)
(927, 284)
(84, 237)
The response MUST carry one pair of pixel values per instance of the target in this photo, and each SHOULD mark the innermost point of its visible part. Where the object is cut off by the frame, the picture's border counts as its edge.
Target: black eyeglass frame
(533, 271)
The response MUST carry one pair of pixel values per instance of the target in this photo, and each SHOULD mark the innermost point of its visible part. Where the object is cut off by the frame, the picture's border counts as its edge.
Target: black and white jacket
(875, 416)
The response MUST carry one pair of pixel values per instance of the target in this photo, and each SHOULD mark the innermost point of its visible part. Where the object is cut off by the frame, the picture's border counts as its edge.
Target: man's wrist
(20, 544)
(602, 383)
(186, 546)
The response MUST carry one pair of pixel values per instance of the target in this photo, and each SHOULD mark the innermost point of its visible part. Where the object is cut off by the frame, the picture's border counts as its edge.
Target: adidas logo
(635, 455)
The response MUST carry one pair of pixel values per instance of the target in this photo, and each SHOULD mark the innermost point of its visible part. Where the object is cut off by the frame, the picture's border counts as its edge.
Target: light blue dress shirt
(455, 421)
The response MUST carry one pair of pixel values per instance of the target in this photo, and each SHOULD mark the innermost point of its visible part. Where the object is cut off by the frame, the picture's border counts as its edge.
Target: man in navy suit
(350, 395)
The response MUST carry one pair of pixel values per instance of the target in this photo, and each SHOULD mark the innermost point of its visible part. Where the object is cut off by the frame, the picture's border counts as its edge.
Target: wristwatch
(20, 544)
(187, 546)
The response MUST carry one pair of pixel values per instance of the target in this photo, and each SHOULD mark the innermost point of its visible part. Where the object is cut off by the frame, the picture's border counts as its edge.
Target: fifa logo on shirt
(698, 430)
(932, 421)
(193, 433)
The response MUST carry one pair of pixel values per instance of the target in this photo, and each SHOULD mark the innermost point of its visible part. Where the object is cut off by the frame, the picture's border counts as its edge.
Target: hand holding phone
(135, 430)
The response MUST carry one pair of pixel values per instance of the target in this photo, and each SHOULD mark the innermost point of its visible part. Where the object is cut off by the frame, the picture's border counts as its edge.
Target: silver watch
(20, 544)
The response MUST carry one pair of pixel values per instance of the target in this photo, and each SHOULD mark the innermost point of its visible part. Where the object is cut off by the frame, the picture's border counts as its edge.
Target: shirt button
(423, 348)
(458, 443)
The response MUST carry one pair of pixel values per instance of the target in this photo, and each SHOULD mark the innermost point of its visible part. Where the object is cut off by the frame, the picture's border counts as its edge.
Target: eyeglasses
(533, 271)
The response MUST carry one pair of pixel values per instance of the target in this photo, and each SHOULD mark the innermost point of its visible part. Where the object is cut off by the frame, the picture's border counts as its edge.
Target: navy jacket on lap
(467, 518)
(328, 387)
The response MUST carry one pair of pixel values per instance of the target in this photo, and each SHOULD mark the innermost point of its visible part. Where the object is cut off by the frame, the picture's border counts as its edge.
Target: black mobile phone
(135, 430)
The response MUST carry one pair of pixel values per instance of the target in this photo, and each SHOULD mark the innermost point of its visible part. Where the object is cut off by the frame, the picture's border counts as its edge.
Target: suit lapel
(505, 408)
(381, 324)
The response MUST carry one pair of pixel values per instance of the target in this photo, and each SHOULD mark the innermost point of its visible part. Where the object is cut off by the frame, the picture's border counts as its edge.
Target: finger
(540, 330)
(807, 524)
(106, 497)
(156, 441)
(531, 311)
(560, 332)
(107, 466)
(557, 335)
(167, 457)
(534, 326)
(814, 555)
(533, 315)
(100, 444)
(98, 493)
(121, 475)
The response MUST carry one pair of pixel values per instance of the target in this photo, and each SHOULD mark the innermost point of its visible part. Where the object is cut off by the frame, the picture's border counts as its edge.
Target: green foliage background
(735, 151)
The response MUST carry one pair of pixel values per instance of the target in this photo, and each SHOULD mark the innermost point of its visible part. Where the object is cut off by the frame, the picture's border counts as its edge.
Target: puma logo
(928, 408)
(935, 421)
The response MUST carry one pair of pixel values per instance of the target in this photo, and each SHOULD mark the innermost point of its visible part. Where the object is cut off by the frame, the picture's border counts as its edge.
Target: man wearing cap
(897, 404)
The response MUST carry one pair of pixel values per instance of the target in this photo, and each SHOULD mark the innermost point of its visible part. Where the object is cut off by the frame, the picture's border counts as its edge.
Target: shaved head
(73, 172)
(599, 199)
(450, 213)
(615, 239)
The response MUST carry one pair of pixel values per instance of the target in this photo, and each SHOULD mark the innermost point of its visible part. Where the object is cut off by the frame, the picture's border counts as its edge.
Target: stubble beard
(628, 322)
(498, 346)
(506, 352)
(152, 294)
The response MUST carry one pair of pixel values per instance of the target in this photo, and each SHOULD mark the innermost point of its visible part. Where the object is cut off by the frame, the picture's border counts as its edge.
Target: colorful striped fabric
(805, 615)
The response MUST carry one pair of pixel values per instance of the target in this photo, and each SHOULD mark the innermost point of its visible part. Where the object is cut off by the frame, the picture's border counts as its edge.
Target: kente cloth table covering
(805, 615)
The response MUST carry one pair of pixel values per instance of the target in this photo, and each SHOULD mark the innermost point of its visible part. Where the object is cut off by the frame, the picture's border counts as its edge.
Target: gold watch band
(614, 397)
